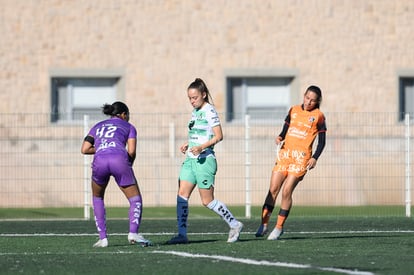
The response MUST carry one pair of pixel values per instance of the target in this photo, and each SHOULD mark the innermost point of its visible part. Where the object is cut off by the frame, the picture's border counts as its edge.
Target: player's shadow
(335, 237)
(196, 242)
(167, 244)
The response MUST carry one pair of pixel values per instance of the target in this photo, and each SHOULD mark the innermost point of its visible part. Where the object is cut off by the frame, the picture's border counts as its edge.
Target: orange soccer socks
(266, 213)
(278, 230)
(281, 218)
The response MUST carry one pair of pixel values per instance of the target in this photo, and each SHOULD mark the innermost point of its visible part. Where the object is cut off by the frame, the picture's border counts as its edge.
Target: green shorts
(200, 171)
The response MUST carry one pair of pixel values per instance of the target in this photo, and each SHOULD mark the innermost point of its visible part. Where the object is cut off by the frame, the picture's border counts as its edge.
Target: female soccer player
(200, 166)
(302, 124)
(108, 140)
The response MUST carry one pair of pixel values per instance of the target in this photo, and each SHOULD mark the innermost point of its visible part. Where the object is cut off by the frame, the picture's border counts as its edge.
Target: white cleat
(101, 243)
(275, 234)
(136, 238)
(234, 233)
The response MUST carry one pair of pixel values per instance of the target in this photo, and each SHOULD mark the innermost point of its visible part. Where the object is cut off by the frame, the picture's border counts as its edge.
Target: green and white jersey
(200, 129)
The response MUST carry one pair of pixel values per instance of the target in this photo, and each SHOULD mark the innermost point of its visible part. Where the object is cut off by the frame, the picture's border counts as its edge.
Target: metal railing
(366, 161)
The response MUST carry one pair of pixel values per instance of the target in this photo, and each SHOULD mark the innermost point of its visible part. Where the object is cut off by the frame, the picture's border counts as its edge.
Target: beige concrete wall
(353, 49)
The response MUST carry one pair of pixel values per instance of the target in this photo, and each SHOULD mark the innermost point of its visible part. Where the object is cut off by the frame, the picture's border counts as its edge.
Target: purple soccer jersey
(111, 157)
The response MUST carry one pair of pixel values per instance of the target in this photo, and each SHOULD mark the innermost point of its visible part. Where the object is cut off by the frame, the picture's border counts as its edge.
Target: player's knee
(287, 194)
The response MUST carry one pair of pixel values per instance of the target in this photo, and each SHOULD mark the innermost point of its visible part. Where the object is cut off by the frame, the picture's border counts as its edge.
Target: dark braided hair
(115, 108)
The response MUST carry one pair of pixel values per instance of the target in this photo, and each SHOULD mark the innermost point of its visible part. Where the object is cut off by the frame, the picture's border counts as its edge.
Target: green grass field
(316, 241)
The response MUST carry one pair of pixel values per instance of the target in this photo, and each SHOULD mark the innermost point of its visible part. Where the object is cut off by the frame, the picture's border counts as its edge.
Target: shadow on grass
(194, 242)
(338, 237)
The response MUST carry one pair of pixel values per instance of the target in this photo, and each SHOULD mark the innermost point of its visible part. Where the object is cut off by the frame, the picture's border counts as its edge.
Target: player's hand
(196, 150)
(311, 164)
(184, 148)
(278, 140)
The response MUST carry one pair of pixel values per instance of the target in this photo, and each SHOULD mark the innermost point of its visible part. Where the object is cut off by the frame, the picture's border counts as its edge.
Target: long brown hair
(201, 86)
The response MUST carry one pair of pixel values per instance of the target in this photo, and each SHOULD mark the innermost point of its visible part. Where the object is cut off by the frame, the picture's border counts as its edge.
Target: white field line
(205, 233)
(263, 263)
(221, 257)
(203, 256)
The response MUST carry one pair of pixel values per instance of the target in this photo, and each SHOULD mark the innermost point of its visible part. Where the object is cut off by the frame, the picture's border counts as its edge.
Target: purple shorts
(117, 165)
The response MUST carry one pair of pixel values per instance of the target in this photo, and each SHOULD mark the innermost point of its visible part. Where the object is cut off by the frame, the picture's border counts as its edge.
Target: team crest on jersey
(311, 119)
(201, 115)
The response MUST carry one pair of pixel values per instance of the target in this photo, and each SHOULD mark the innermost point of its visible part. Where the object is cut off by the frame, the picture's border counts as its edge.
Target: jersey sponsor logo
(295, 132)
(105, 144)
(297, 155)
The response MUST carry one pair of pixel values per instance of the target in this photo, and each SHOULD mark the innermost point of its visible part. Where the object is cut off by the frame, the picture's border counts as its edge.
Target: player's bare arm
(87, 146)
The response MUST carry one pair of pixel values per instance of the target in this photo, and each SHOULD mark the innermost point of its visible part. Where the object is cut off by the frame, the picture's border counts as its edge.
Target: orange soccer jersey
(297, 149)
